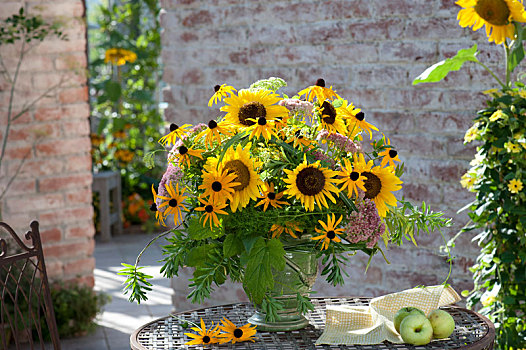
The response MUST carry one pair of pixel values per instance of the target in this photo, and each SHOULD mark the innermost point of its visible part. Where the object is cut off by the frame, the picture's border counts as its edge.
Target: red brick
(62, 182)
(74, 111)
(78, 163)
(54, 267)
(84, 231)
(13, 152)
(64, 250)
(34, 168)
(76, 128)
(404, 8)
(66, 215)
(74, 95)
(79, 267)
(67, 61)
(88, 281)
(199, 18)
(79, 195)
(63, 147)
(51, 235)
(36, 202)
(70, 9)
(33, 132)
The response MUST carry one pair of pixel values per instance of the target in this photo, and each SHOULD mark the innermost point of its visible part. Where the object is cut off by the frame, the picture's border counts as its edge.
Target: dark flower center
(216, 186)
(354, 176)
(360, 116)
(212, 124)
(310, 181)
(153, 207)
(238, 333)
(320, 82)
(495, 12)
(172, 203)
(183, 150)
(373, 185)
(242, 173)
(216, 88)
(262, 121)
(393, 153)
(331, 234)
(253, 110)
(174, 127)
(209, 208)
(329, 112)
(206, 339)
(271, 196)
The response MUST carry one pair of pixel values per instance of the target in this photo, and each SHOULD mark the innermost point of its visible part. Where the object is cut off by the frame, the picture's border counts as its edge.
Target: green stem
(507, 59)
(492, 74)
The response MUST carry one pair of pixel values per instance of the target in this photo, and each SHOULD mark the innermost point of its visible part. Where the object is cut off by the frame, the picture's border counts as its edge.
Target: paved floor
(120, 317)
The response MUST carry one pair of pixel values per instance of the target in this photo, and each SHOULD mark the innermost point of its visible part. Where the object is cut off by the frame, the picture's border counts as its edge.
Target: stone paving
(120, 317)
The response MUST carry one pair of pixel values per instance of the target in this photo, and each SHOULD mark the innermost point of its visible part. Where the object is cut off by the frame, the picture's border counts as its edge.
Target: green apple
(402, 313)
(416, 329)
(442, 322)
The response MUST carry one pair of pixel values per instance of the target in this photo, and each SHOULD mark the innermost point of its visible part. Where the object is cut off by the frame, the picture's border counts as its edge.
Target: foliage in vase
(125, 73)
(497, 173)
(270, 171)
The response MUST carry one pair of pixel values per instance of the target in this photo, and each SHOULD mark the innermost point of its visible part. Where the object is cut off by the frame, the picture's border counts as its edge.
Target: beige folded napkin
(345, 324)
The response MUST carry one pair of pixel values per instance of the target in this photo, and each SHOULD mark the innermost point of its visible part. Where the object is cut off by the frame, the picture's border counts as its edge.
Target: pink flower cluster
(172, 174)
(296, 105)
(340, 141)
(365, 224)
(322, 156)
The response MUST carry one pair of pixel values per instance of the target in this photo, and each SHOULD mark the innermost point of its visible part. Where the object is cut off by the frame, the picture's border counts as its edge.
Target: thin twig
(15, 174)
(5, 70)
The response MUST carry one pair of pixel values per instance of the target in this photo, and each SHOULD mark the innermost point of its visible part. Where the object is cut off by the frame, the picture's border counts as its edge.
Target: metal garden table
(472, 331)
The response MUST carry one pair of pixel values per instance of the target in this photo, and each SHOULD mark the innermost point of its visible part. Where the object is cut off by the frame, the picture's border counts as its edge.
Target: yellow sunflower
(183, 153)
(515, 186)
(220, 91)
(290, 228)
(176, 131)
(380, 184)
(496, 15)
(269, 196)
(159, 216)
(332, 119)
(234, 333)
(218, 184)
(205, 335)
(330, 232)
(214, 132)
(174, 202)
(351, 179)
(249, 105)
(319, 91)
(242, 166)
(311, 183)
(211, 209)
(390, 155)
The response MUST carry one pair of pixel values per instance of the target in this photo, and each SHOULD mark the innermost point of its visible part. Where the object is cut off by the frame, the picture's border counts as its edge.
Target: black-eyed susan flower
(119, 56)
(311, 183)
(351, 179)
(159, 216)
(290, 228)
(496, 15)
(239, 163)
(356, 120)
(515, 186)
(214, 132)
(173, 202)
(210, 210)
(269, 196)
(218, 184)
(205, 335)
(380, 184)
(319, 91)
(176, 131)
(332, 119)
(220, 91)
(245, 108)
(330, 231)
(299, 140)
(183, 154)
(263, 127)
(390, 155)
(236, 334)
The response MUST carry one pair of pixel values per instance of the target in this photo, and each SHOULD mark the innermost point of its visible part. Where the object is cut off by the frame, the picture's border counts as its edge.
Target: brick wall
(369, 51)
(54, 184)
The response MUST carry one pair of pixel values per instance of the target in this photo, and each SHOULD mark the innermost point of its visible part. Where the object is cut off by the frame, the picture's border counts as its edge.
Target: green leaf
(440, 70)
(113, 90)
(517, 54)
(337, 103)
(197, 231)
(198, 255)
(232, 246)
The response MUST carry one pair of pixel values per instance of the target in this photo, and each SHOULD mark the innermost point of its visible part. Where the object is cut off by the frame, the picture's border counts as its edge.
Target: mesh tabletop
(472, 331)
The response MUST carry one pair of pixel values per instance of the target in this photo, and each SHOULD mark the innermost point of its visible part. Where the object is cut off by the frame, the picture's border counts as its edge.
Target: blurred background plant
(124, 92)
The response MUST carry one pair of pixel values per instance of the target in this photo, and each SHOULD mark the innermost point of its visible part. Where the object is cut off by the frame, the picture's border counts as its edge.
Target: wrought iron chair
(26, 313)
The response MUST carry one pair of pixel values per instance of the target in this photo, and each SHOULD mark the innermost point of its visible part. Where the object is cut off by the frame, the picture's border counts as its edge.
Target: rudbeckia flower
(290, 227)
(270, 197)
(319, 91)
(159, 216)
(234, 333)
(214, 132)
(205, 335)
(211, 209)
(183, 153)
(515, 186)
(390, 155)
(119, 56)
(220, 91)
(218, 184)
(351, 179)
(173, 202)
(330, 231)
(176, 131)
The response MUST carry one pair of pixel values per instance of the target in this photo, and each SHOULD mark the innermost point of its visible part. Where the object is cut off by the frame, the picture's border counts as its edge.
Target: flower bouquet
(273, 186)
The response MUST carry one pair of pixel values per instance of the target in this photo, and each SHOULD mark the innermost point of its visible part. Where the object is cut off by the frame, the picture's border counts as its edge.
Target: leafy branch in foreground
(136, 283)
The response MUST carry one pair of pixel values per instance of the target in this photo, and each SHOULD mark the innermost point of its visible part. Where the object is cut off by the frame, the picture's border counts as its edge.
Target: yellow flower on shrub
(512, 147)
(467, 181)
(496, 15)
(515, 186)
(119, 56)
(472, 133)
(498, 114)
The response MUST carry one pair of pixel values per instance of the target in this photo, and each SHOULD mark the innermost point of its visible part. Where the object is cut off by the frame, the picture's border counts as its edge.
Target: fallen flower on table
(205, 336)
(236, 334)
